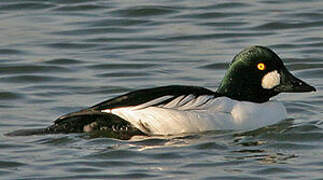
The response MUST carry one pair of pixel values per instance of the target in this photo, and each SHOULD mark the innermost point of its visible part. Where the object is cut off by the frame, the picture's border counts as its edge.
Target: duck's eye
(261, 66)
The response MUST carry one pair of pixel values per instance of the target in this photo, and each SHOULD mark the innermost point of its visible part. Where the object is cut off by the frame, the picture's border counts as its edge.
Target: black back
(144, 95)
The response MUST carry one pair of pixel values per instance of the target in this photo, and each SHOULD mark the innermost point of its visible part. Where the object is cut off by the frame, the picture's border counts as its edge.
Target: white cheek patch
(270, 80)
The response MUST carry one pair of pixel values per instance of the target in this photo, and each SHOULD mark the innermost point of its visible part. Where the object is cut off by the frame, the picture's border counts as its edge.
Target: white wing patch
(152, 102)
(191, 114)
(189, 102)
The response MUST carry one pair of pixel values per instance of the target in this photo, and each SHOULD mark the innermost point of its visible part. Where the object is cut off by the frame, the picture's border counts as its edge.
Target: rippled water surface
(60, 56)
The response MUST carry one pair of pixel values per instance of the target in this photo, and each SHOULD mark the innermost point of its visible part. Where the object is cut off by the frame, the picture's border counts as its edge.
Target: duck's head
(256, 74)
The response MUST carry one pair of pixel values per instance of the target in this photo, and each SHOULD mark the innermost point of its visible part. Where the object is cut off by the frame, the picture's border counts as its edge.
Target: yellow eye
(261, 66)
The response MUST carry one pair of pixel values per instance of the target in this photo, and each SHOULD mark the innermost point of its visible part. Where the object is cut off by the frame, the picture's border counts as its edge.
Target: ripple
(83, 170)
(25, 6)
(131, 47)
(285, 25)
(10, 96)
(210, 145)
(313, 73)
(79, 7)
(306, 128)
(3, 173)
(33, 79)
(310, 39)
(96, 31)
(22, 69)
(123, 74)
(291, 146)
(303, 66)
(272, 170)
(226, 5)
(71, 45)
(317, 45)
(211, 164)
(311, 15)
(143, 11)
(71, 2)
(10, 164)
(11, 52)
(302, 60)
(105, 176)
(115, 22)
(217, 36)
(167, 155)
(210, 15)
(285, 46)
(13, 146)
(215, 66)
(110, 163)
(117, 154)
(225, 25)
(63, 61)
(122, 66)
(56, 141)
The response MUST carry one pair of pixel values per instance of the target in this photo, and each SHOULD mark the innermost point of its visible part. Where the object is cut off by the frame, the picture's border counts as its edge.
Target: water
(60, 56)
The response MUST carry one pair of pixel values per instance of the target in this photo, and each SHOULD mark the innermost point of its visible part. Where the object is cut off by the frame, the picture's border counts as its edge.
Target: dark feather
(94, 123)
(145, 95)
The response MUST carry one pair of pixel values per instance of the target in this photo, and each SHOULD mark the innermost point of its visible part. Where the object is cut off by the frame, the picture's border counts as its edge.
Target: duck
(241, 102)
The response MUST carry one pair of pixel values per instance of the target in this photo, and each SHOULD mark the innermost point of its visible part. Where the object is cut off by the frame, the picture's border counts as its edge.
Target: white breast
(187, 114)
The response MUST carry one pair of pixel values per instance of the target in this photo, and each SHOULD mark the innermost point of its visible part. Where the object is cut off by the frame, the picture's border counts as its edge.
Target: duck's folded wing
(152, 97)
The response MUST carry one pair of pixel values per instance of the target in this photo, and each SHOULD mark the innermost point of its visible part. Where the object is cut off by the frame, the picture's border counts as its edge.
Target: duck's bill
(289, 83)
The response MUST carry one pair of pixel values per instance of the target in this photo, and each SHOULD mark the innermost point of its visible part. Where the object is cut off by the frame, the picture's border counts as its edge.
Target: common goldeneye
(242, 101)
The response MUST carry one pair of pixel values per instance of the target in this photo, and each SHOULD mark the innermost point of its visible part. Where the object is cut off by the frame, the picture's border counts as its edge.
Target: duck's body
(191, 113)
(241, 102)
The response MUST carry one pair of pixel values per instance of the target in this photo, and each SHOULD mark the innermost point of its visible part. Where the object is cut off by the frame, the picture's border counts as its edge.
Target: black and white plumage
(166, 110)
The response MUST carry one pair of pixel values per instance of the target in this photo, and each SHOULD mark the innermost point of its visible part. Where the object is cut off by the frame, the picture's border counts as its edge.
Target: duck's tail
(95, 124)
(30, 132)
